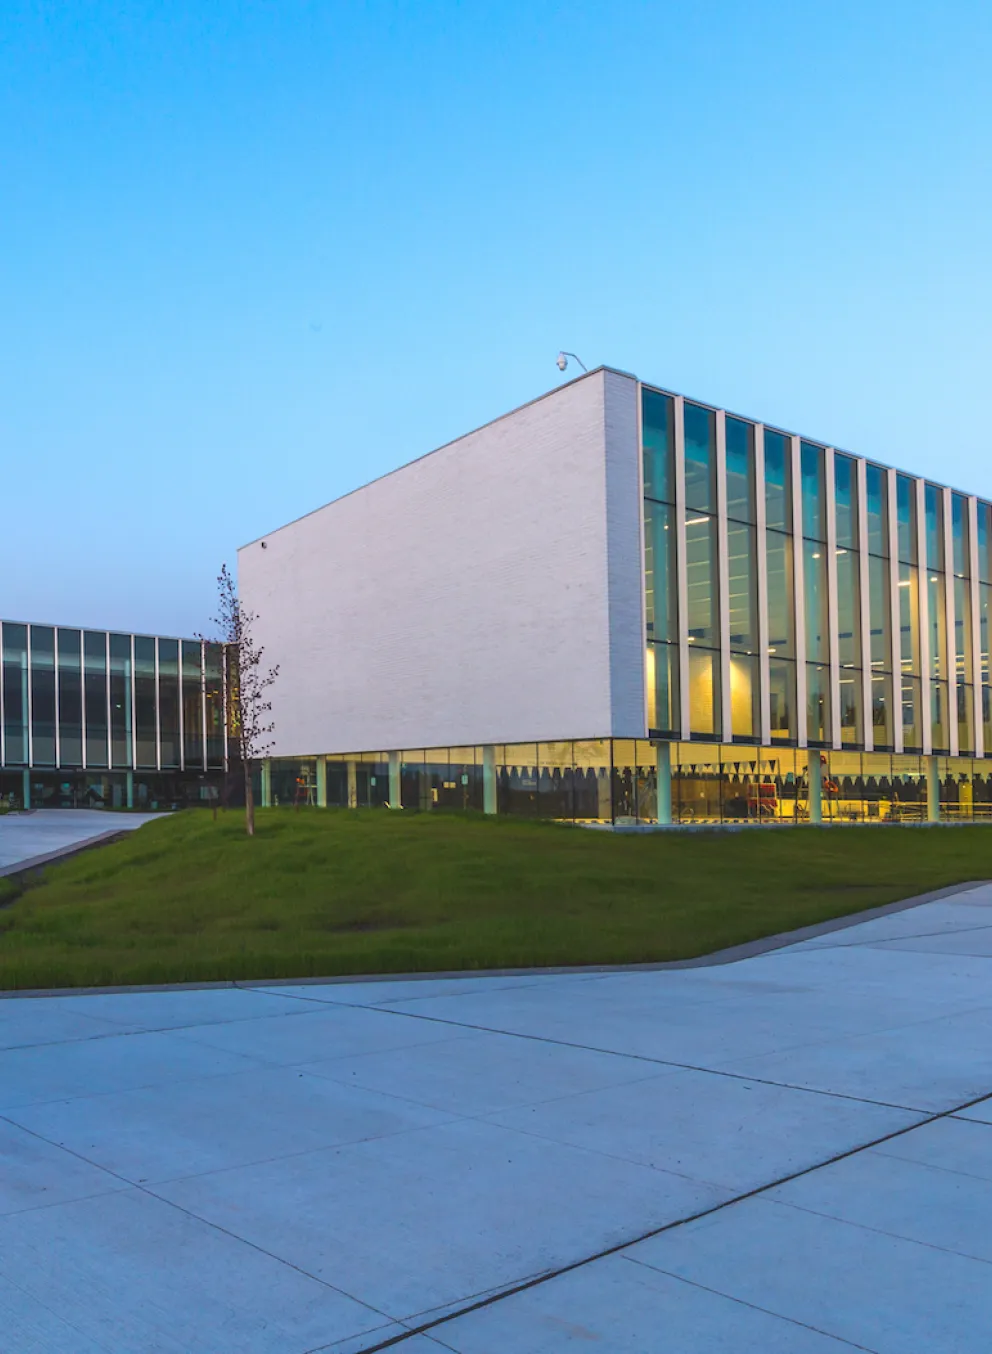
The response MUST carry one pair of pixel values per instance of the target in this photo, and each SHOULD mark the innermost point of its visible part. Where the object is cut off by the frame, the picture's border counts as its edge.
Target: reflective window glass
(778, 481)
(659, 571)
(846, 501)
(985, 542)
(984, 606)
(121, 723)
(782, 699)
(875, 504)
(818, 703)
(743, 587)
(814, 497)
(745, 720)
(701, 579)
(939, 716)
(912, 716)
(145, 731)
(965, 700)
(781, 616)
(849, 608)
(962, 629)
(42, 638)
(937, 622)
(663, 688)
(659, 442)
(96, 697)
(740, 470)
(815, 589)
(906, 516)
(704, 691)
(935, 527)
(851, 731)
(168, 701)
(879, 613)
(192, 705)
(699, 459)
(213, 684)
(959, 534)
(881, 709)
(70, 683)
(909, 618)
(15, 693)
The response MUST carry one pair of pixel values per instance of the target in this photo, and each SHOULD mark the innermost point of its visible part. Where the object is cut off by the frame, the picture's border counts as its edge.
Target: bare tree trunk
(249, 801)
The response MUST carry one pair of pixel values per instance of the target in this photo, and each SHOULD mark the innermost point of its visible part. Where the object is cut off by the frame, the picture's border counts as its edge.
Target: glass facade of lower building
(628, 782)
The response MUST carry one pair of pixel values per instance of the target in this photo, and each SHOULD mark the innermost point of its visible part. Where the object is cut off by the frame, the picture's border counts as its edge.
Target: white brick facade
(489, 592)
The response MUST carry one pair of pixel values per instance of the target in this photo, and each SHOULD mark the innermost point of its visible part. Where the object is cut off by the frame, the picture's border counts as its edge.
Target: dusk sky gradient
(254, 254)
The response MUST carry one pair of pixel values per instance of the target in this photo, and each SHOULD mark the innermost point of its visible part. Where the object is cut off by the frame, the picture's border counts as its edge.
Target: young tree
(247, 683)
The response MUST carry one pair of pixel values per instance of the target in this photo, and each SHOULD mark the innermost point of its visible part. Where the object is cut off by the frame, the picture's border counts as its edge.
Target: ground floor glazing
(145, 790)
(634, 781)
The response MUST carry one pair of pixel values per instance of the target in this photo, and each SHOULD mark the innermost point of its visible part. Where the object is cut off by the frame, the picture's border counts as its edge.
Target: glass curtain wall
(661, 593)
(742, 578)
(984, 599)
(963, 671)
(847, 518)
(911, 696)
(879, 607)
(781, 588)
(702, 588)
(940, 724)
(814, 501)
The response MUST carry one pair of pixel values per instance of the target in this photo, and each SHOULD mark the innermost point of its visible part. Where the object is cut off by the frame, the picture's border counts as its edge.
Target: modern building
(90, 718)
(619, 604)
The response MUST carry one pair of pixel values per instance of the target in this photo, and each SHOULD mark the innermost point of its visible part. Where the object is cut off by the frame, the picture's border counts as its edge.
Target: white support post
(352, 785)
(933, 790)
(814, 780)
(395, 782)
(489, 798)
(664, 751)
(321, 782)
(266, 784)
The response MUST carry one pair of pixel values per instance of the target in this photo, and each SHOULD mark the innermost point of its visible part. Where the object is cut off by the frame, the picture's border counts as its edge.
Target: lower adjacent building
(616, 604)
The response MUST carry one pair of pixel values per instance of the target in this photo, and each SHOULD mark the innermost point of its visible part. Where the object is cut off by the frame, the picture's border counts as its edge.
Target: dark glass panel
(145, 732)
(699, 459)
(778, 482)
(70, 698)
(815, 589)
(937, 621)
(659, 442)
(663, 688)
(740, 470)
(879, 613)
(42, 695)
(701, 579)
(877, 514)
(939, 716)
(781, 616)
(985, 542)
(962, 629)
(935, 527)
(966, 736)
(909, 619)
(813, 494)
(818, 703)
(984, 609)
(168, 701)
(743, 587)
(782, 699)
(906, 518)
(851, 728)
(121, 750)
(848, 608)
(192, 705)
(959, 536)
(214, 694)
(881, 709)
(95, 688)
(15, 693)
(912, 713)
(846, 498)
(659, 572)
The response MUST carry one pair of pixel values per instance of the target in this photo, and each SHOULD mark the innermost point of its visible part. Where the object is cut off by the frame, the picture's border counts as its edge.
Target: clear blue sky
(254, 254)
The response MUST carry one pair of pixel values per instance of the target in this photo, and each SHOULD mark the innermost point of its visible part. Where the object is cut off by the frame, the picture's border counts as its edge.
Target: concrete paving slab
(480, 1073)
(879, 1292)
(27, 1326)
(35, 1173)
(961, 1142)
(627, 1309)
(29, 837)
(721, 1129)
(266, 1114)
(975, 941)
(119, 1062)
(424, 1219)
(982, 1111)
(139, 1275)
(178, 1009)
(25, 1025)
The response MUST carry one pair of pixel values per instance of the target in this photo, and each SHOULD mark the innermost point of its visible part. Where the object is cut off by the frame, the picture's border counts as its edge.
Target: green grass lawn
(317, 892)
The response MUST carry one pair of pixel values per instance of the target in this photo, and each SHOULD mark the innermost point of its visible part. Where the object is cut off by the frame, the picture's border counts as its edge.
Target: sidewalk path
(791, 1154)
(46, 833)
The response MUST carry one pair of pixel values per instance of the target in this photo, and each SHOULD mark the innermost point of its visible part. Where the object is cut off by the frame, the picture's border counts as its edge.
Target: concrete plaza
(790, 1154)
(45, 834)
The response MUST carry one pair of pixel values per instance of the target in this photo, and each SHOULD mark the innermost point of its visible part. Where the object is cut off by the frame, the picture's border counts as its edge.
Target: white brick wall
(469, 597)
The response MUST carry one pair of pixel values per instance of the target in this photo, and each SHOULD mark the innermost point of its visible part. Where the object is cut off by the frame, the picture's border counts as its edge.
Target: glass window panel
(740, 470)
(701, 579)
(659, 442)
(781, 616)
(145, 732)
(846, 500)
(906, 516)
(42, 695)
(959, 536)
(745, 719)
(814, 497)
(778, 481)
(699, 459)
(878, 520)
(782, 699)
(851, 730)
(985, 542)
(192, 705)
(966, 736)
(912, 713)
(909, 619)
(939, 716)
(214, 697)
(168, 701)
(879, 613)
(95, 690)
(934, 527)
(984, 604)
(818, 703)
(881, 709)
(663, 688)
(848, 608)
(815, 589)
(704, 691)
(937, 621)
(15, 693)
(987, 715)
(743, 587)
(120, 700)
(962, 629)
(70, 698)
(659, 571)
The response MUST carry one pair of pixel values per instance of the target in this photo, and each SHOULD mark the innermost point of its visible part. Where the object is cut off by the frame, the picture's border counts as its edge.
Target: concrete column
(321, 783)
(664, 751)
(26, 788)
(814, 776)
(933, 790)
(489, 797)
(352, 785)
(266, 784)
(395, 782)
(130, 790)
